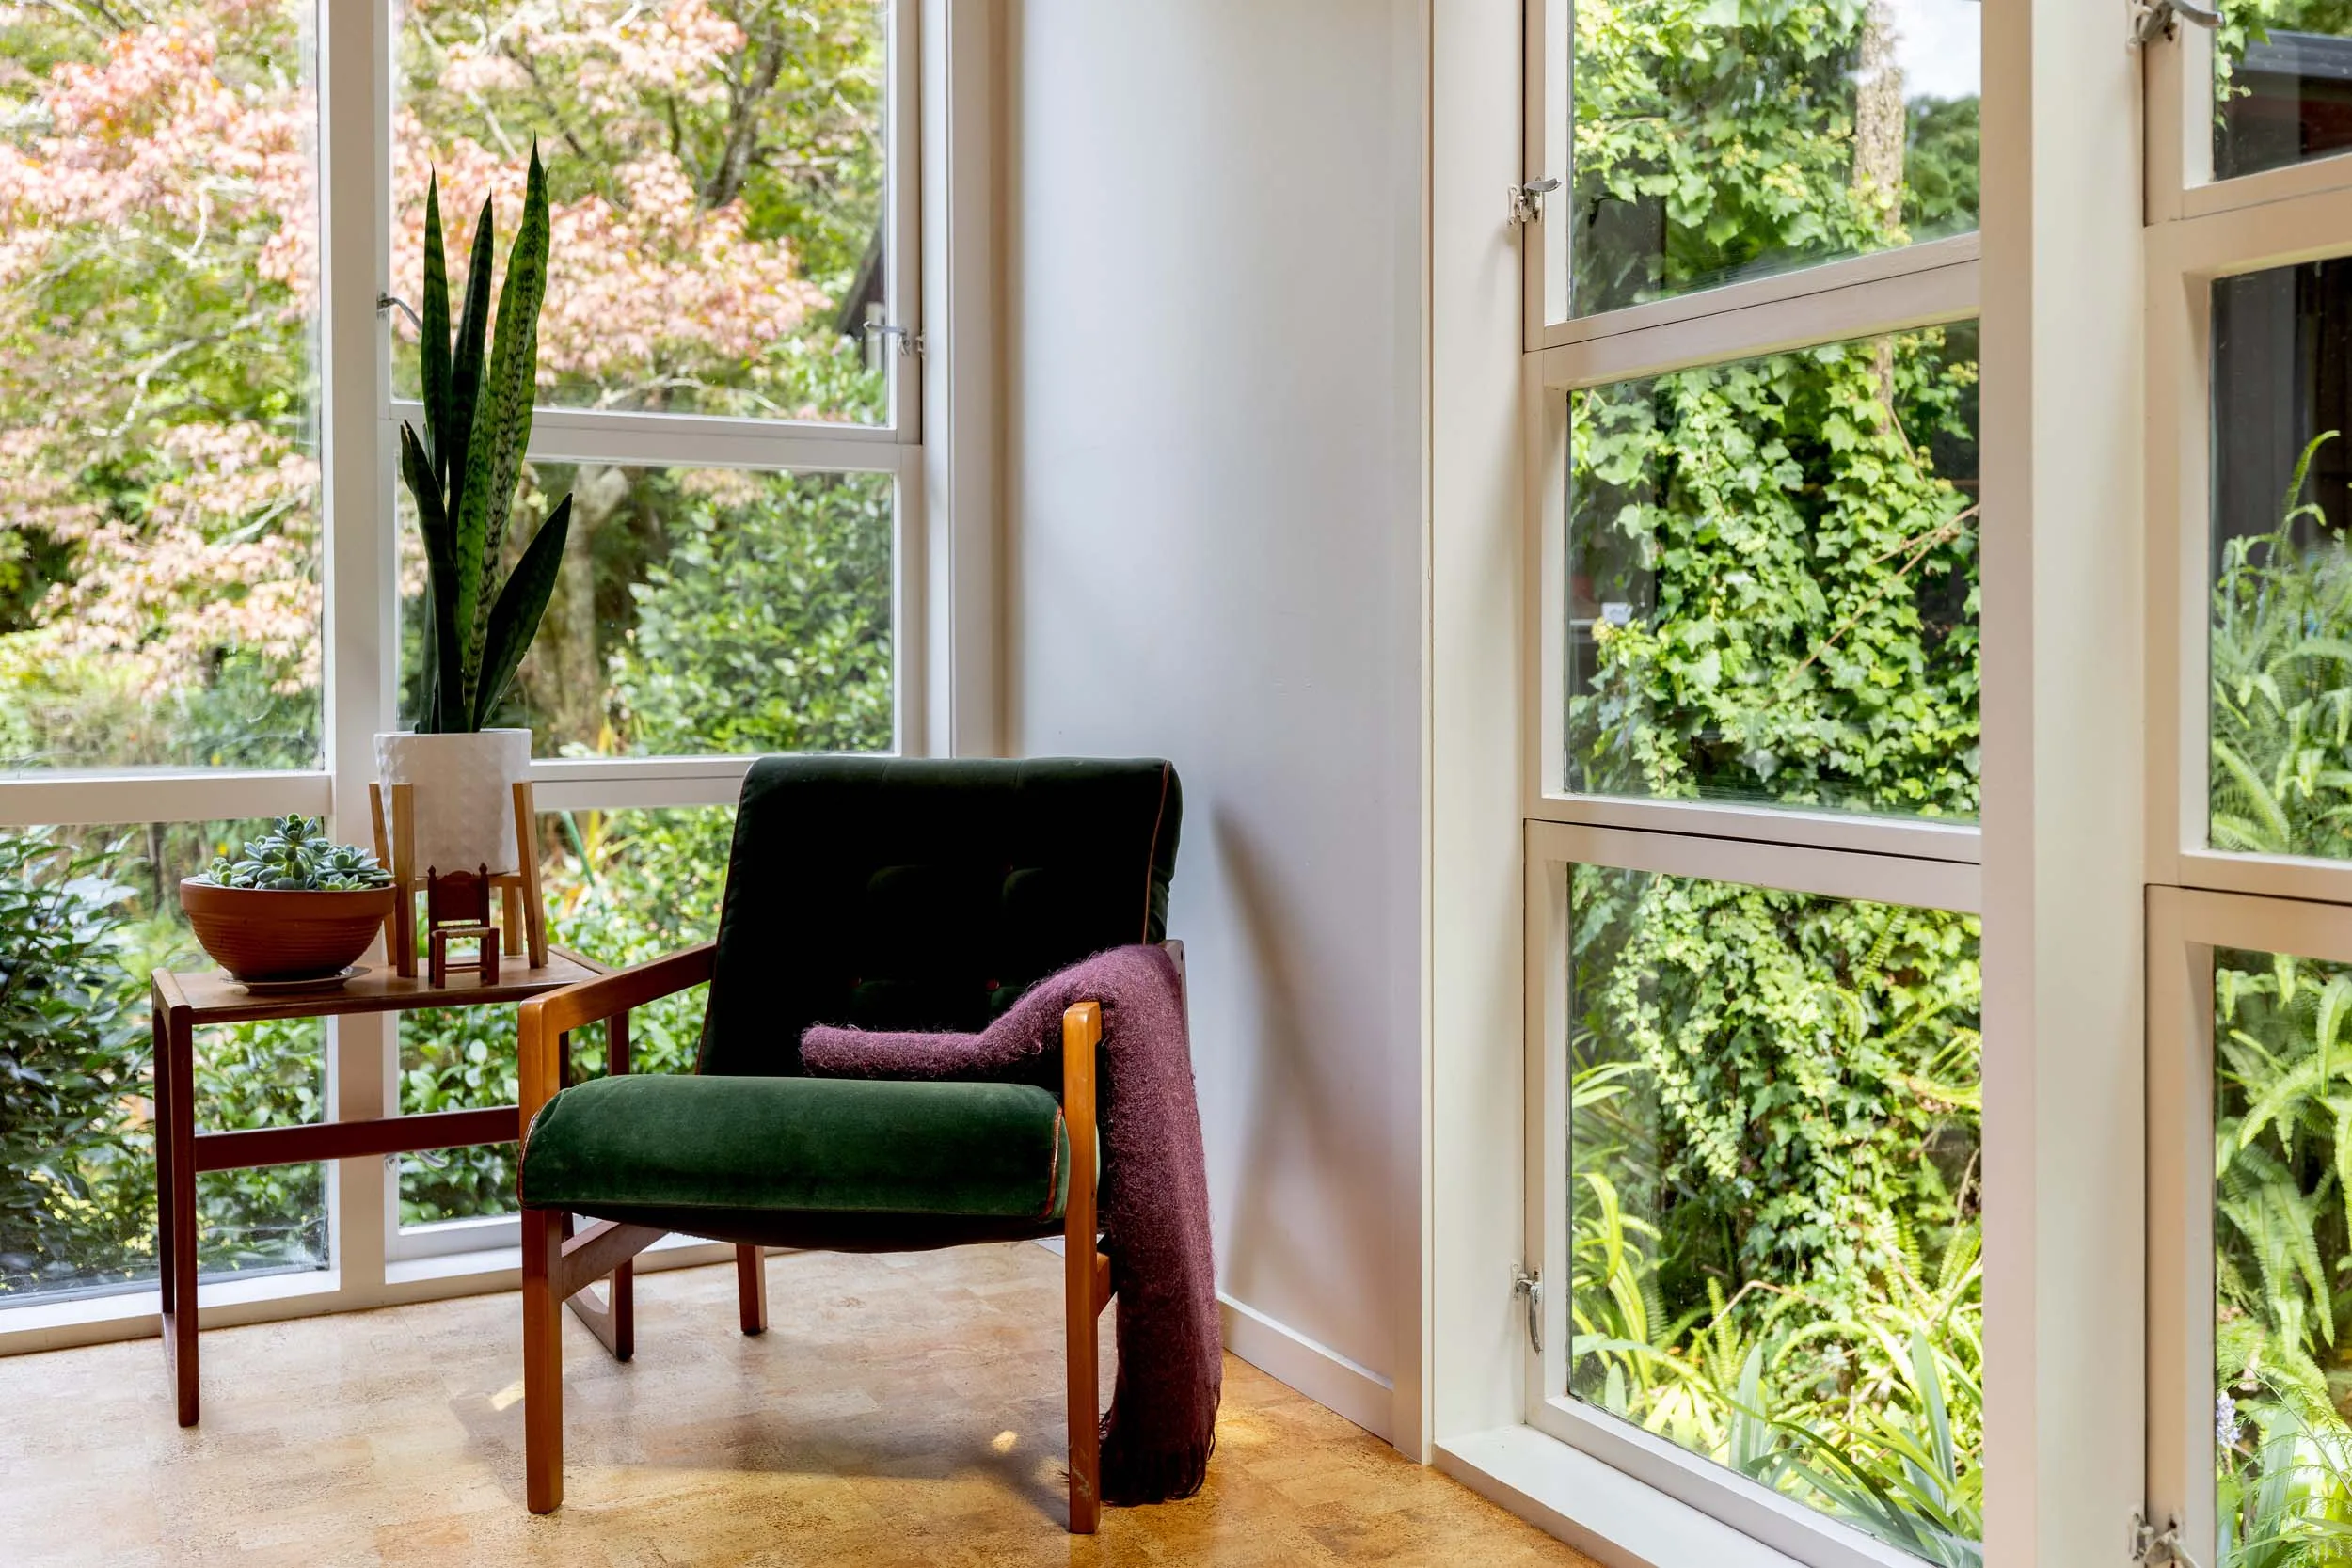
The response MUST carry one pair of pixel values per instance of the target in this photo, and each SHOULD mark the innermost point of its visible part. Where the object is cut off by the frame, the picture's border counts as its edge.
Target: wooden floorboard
(898, 1410)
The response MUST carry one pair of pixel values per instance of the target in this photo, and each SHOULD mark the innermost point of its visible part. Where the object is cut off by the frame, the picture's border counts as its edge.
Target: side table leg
(180, 1326)
(159, 1074)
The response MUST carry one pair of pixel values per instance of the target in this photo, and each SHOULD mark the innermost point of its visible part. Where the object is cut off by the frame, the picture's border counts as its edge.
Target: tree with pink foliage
(717, 176)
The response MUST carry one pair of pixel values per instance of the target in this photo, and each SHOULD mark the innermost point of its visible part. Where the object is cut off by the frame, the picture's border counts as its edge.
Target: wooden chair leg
(750, 1287)
(1082, 1029)
(543, 1362)
(623, 1292)
(614, 1320)
(1085, 1434)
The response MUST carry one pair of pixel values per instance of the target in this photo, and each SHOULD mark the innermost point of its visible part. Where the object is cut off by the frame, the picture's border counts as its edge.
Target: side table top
(213, 997)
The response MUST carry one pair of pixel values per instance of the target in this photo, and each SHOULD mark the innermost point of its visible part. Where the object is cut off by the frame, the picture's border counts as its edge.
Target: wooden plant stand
(525, 907)
(185, 1003)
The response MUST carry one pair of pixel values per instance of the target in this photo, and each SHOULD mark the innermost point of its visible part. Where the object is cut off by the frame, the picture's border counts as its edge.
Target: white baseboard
(1312, 1367)
(1315, 1369)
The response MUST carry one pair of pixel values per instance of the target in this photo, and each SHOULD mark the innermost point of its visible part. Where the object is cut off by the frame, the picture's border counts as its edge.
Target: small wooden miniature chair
(525, 907)
(458, 908)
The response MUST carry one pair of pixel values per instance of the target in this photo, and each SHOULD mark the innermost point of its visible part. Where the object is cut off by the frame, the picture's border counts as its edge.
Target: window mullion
(361, 651)
(1828, 279)
(75, 800)
(1919, 297)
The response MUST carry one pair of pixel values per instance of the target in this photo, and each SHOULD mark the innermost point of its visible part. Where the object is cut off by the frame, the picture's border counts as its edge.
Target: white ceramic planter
(465, 799)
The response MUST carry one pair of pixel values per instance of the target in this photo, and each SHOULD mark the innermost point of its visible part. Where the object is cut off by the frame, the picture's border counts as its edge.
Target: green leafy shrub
(83, 920)
(1809, 571)
(1774, 589)
(768, 626)
(2282, 668)
(1775, 1207)
(74, 1143)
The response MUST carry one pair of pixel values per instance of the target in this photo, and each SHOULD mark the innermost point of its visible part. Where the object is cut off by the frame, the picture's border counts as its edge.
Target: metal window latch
(2161, 19)
(1527, 201)
(386, 304)
(910, 344)
(1531, 1285)
(2158, 1548)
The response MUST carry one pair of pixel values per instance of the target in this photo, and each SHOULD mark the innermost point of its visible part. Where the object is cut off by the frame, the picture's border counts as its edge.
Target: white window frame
(1553, 848)
(941, 258)
(1916, 862)
(2185, 256)
(2054, 279)
(2199, 231)
(1861, 296)
(2184, 926)
(1850, 299)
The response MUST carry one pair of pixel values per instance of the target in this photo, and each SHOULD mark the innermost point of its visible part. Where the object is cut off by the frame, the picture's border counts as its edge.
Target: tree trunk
(763, 64)
(562, 671)
(1881, 129)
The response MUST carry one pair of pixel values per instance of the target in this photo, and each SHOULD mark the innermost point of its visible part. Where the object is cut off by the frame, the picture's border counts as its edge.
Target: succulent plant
(295, 856)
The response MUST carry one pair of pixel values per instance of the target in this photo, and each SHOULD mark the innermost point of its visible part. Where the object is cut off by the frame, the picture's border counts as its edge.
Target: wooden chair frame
(557, 1265)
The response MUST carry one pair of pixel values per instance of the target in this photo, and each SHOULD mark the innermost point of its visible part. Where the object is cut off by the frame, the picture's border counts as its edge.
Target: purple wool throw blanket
(1154, 1203)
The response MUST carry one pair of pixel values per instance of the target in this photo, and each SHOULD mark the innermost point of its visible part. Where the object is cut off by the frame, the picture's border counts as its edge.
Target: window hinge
(1527, 201)
(1531, 1285)
(910, 344)
(2161, 19)
(2158, 1548)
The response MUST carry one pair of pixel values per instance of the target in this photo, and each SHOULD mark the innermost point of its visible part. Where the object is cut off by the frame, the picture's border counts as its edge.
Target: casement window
(2249, 343)
(1883, 582)
(1755, 1003)
(209, 284)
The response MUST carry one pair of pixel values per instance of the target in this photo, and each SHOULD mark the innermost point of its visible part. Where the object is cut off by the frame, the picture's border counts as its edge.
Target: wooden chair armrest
(546, 1020)
(594, 1001)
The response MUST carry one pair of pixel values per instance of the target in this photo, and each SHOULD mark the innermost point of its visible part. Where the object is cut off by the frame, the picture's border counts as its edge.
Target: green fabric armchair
(887, 894)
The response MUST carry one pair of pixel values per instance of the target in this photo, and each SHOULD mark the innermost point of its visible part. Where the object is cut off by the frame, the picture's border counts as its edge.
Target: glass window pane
(715, 173)
(2282, 83)
(85, 914)
(1723, 142)
(2281, 648)
(700, 612)
(159, 601)
(1775, 1197)
(621, 887)
(1771, 588)
(2282, 1381)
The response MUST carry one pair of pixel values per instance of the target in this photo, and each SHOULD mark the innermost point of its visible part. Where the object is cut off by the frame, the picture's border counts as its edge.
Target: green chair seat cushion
(812, 1230)
(680, 1145)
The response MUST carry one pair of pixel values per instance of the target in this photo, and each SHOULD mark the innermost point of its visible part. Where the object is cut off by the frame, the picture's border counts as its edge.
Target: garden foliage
(1775, 1198)
(2281, 783)
(714, 177)
(70, 1060)
(1775, 1181)
(1793, 542)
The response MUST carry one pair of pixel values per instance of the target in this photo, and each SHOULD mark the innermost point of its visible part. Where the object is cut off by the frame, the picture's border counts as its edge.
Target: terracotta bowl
(256, 934)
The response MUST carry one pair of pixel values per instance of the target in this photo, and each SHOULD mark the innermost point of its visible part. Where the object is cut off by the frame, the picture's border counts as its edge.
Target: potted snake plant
(294, 905)
(461, 471)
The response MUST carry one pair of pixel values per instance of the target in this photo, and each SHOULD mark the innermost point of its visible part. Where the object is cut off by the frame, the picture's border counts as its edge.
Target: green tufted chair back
(893, 894)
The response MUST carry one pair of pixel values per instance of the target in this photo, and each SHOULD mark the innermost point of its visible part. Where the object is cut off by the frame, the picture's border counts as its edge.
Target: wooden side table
(185, 1003)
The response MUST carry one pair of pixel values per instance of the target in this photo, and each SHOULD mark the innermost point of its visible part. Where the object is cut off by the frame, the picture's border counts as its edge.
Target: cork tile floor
(901, 1410)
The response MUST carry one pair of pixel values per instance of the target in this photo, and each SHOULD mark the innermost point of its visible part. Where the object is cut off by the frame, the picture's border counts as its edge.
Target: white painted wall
(1214, 549)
